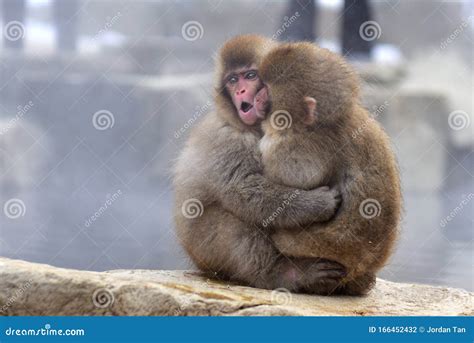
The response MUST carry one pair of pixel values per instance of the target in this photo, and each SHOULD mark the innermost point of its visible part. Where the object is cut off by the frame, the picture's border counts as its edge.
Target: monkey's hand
(325, 202)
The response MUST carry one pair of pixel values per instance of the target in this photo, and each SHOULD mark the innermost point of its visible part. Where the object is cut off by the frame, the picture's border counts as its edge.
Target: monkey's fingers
(336, 274)
(338, 199)
(325, 261)
(324, 282)
(324, 269)
(324, 264)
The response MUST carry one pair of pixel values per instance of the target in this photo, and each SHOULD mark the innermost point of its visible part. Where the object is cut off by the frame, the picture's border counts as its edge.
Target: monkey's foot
(359, 286)
(315, 275)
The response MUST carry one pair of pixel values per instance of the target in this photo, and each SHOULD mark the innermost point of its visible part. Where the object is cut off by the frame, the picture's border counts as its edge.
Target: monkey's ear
(311, 115)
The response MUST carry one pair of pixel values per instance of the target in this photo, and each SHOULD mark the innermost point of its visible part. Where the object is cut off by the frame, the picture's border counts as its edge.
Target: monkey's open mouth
(245, 107)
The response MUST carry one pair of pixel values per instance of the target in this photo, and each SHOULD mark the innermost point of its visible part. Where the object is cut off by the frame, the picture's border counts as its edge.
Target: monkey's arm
(255, 200)
(239, 184)
(362, 235)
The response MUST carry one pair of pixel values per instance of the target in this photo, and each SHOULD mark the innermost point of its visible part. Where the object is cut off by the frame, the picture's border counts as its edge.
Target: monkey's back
(198, 215)
(362, 234)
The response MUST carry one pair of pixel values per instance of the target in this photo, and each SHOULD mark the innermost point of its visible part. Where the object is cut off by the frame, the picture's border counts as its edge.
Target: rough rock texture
(37, 289)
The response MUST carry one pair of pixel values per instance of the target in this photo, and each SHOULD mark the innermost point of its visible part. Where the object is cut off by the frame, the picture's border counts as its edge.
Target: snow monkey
(311, 98)
(222, 200)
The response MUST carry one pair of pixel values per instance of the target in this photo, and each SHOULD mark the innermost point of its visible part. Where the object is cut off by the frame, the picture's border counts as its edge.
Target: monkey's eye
(251, 75)
(232, 79)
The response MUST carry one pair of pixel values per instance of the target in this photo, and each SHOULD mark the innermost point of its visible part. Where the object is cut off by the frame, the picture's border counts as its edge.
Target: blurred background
(97, 98)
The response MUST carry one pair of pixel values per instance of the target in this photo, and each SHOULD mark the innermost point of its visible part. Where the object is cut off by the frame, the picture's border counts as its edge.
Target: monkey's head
(310, 84)
(238, 79)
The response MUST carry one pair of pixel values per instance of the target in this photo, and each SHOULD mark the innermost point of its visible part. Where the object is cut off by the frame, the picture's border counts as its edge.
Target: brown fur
(221, 167)
(325, 153)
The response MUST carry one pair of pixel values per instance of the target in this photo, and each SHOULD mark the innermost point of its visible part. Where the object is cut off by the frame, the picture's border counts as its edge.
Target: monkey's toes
(326, 269)
(330, 274)
(325, 264)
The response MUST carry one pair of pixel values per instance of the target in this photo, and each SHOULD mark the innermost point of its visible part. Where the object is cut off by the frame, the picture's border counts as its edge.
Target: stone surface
(37, 289)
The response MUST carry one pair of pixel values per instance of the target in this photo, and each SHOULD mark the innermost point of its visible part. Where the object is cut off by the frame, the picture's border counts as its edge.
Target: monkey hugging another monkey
(259, 183)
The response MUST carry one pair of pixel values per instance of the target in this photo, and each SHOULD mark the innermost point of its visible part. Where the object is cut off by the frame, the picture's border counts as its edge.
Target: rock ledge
(38, 289)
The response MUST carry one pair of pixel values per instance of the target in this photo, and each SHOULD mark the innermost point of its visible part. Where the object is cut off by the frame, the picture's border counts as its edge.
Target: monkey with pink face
(223, 200)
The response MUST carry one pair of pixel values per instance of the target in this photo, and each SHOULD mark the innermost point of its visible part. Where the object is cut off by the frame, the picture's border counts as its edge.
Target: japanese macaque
(311, 99)
(222, 200)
